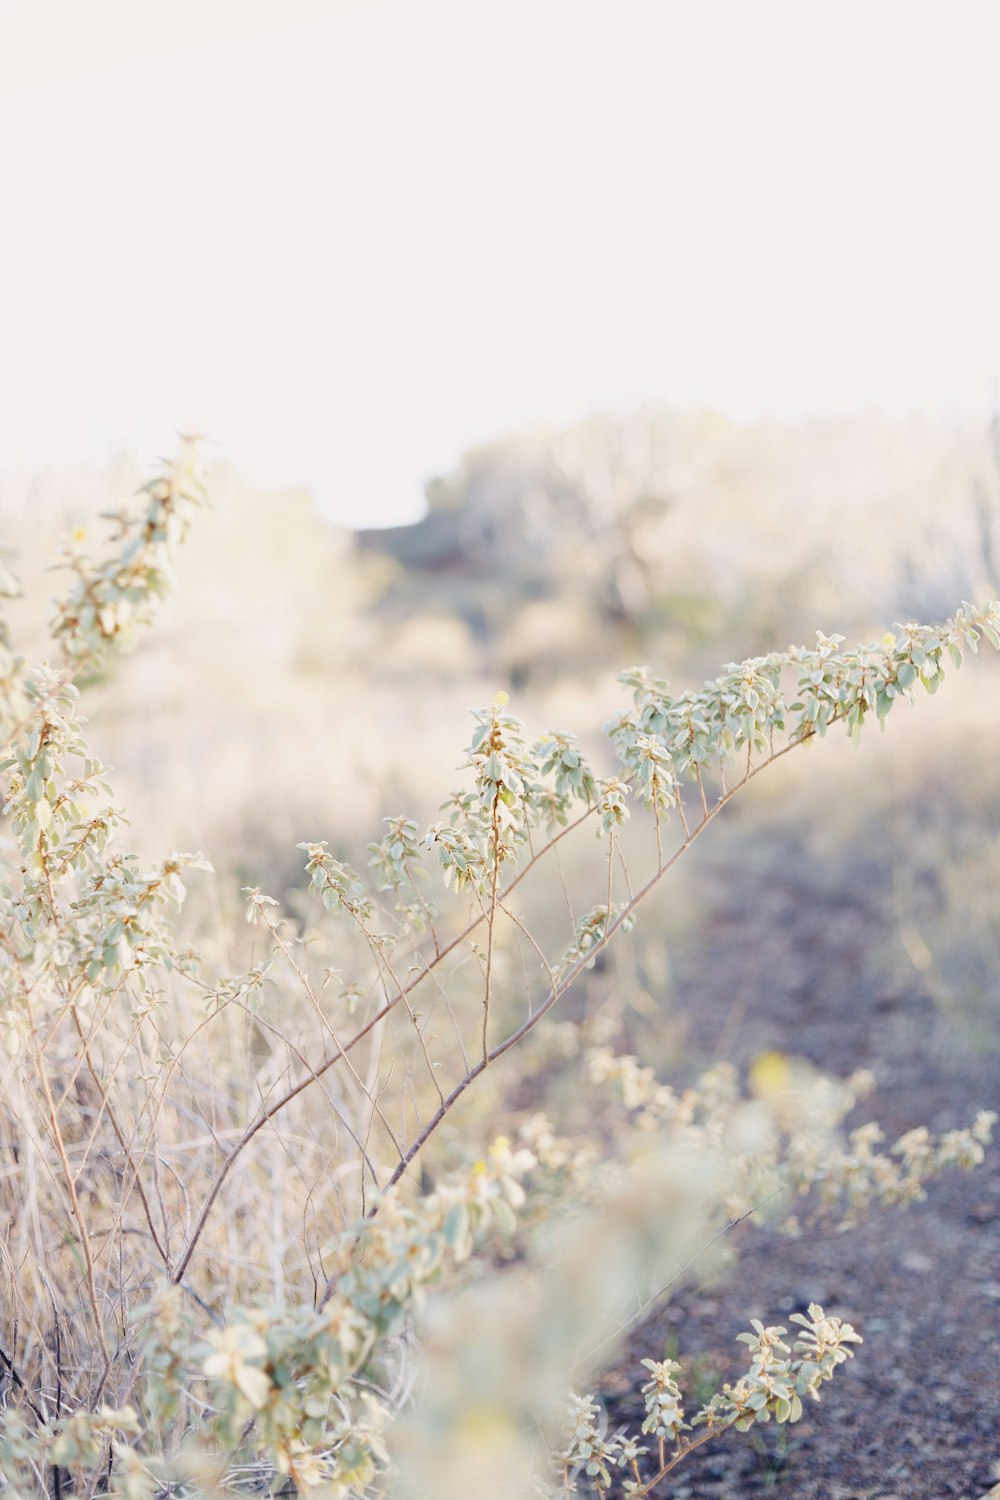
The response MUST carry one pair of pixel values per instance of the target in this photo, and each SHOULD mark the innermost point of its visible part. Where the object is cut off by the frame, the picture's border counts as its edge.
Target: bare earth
(916, 1414)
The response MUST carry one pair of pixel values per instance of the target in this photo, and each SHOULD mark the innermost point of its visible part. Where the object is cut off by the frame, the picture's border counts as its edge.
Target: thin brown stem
(491, 919)
(313, 999)
(378, 951)
(425, 908)
(530, 938)
(680, 1454)
(70, 1181)
(611, 871)
(106, 1108)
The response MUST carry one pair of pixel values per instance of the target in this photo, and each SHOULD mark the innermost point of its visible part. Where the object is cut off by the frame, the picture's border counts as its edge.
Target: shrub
(222, 1271)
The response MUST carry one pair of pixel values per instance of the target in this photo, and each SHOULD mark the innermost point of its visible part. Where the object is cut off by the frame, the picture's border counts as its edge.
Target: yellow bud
(485, 1425)
(770, 1074)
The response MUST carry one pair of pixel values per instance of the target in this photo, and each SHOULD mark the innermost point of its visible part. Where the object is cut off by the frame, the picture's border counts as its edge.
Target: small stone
(916, 1260)
(807, 1293)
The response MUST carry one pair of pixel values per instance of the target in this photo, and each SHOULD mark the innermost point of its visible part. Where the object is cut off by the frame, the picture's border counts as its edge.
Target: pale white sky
(350, 238)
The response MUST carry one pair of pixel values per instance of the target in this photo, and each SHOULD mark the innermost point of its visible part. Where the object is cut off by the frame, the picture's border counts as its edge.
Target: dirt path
(917, 1413)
